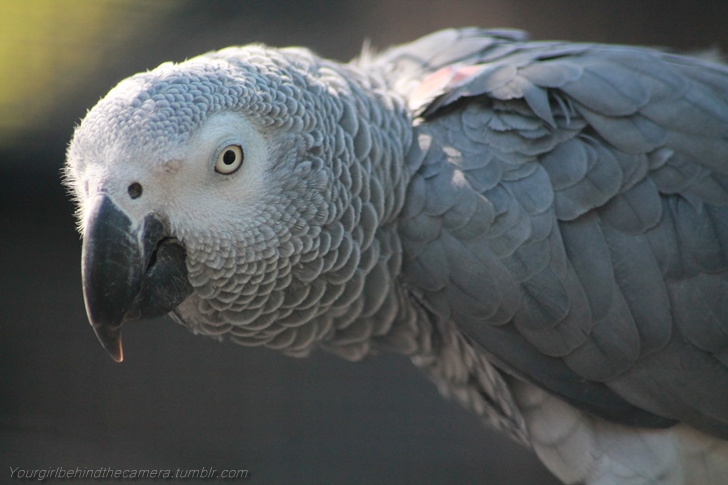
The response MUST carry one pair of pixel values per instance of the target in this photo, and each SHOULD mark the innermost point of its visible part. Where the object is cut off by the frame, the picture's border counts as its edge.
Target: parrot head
(217, 188)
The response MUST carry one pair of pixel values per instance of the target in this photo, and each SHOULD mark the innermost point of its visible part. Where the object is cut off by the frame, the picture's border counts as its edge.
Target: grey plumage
(609, 263)
(508, 213)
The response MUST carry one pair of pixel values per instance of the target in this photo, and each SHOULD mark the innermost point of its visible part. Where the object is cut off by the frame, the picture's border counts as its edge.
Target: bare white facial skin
(180, 183)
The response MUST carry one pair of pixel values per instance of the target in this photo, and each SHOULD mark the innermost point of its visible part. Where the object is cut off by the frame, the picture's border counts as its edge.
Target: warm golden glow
(48, 46)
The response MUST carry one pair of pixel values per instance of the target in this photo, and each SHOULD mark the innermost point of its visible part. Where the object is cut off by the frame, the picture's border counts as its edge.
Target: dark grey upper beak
(129, 272)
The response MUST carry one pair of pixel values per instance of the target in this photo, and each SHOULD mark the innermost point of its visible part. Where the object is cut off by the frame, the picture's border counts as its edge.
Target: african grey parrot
(541, 226)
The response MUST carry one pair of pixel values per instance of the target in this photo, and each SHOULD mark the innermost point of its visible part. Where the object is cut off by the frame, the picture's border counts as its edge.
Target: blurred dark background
(180, 401)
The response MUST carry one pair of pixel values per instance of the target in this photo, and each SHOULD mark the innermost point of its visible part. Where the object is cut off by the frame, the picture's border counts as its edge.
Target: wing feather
(570, 217)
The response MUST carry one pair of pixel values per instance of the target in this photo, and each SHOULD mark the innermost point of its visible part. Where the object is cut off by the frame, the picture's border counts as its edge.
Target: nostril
(135, 190)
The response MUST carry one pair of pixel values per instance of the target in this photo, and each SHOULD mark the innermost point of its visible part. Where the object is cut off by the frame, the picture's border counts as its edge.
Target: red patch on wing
(440, 82)
(431, 87)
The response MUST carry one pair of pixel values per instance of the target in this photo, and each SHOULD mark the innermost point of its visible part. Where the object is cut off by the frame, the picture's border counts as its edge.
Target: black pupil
(229, 157)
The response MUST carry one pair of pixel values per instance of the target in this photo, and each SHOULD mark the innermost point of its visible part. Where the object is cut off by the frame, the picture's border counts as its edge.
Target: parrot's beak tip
(117, 356)
(110, 338)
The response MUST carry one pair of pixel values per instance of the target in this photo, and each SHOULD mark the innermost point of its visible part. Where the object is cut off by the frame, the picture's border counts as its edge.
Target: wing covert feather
(570, 217)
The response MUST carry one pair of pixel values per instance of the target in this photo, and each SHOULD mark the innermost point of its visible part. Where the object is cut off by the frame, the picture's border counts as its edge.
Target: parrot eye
(229, 160)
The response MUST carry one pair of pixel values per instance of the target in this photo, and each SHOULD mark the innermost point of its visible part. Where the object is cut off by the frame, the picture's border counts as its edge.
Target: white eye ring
(229, 160)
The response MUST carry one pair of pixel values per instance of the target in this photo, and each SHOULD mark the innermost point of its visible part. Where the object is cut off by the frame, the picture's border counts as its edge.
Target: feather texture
(541, 226)
(616, 136)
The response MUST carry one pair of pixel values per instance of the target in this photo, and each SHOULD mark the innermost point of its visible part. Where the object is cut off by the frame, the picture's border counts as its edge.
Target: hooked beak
(130, 272)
